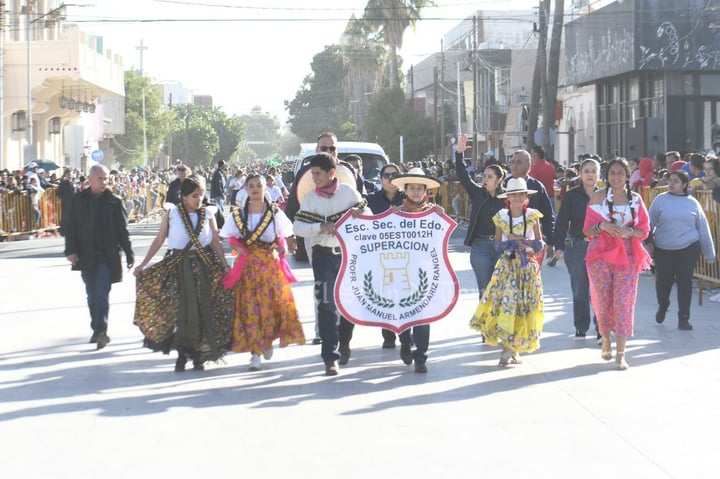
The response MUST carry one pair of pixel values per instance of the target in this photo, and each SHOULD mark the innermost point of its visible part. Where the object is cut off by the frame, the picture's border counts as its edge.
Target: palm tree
(365, 59)
(390, 18)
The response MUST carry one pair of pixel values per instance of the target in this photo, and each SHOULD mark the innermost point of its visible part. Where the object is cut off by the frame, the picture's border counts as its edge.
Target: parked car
(373, 156)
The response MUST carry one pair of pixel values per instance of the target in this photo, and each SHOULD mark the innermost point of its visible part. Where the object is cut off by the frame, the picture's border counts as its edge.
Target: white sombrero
(516, 185)
(415, 176)
(305, 184)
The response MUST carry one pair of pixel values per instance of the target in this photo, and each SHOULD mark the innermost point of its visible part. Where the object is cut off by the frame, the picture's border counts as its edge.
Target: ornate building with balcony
(63, 93)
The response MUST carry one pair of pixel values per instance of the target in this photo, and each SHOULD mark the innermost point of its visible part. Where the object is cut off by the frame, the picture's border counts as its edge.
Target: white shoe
(255, 364)
(268, 354)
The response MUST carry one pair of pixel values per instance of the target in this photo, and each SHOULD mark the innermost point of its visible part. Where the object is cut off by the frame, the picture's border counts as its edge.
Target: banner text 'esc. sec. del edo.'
(395, 270)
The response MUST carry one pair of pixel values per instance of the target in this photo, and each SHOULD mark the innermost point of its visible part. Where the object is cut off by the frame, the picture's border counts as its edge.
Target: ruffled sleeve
(283, 225)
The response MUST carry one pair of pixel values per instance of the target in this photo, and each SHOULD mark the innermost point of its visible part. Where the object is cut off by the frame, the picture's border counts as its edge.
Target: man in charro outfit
(319, 210)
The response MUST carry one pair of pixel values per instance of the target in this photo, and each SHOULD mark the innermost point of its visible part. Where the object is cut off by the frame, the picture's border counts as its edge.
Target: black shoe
(198, 365)
(406, 354)
(331, 369)
(180, 363)
(388, 344)
(317, 341)
(93, 338)
(344, 354)
(599, 339)
(684, 325)
(102, 340)
(660, 315)
(552, 261)
(579, 335)
(420, 367)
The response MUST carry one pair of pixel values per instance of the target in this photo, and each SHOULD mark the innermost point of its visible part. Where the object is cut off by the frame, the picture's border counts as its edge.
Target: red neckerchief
(328, 191)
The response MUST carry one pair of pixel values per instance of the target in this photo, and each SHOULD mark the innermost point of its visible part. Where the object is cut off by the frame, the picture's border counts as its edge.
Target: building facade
(62, 91)
(654, 66)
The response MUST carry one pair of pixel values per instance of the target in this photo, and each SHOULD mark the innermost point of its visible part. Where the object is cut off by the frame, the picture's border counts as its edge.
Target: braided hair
(618, 160)
(525, 207)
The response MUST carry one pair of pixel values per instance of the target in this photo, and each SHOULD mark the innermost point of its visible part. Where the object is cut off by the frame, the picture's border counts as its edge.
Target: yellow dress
(510, 312)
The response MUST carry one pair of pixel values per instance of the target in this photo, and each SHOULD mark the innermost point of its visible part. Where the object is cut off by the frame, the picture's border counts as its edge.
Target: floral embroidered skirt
(510, 312)
(264, 305)
(157, 306)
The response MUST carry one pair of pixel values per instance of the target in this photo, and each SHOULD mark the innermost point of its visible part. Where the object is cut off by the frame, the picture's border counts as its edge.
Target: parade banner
(395, 271)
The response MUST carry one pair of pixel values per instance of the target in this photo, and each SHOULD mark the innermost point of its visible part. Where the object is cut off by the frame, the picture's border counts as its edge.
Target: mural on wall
(650, 35)
(601, 44)
(684, 38)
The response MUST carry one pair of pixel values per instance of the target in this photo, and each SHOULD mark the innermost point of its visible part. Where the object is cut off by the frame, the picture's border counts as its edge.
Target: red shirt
(544, 172)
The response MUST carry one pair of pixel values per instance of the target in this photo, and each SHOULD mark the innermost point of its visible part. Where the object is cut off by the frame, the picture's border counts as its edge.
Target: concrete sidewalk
(67, 410)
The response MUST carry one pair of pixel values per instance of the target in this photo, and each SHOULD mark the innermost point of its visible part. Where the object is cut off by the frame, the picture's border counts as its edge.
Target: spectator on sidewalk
(679, 231)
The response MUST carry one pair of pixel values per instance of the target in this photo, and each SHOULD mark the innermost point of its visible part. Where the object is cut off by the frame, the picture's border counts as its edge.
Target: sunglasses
(327, 148)
(389, 176)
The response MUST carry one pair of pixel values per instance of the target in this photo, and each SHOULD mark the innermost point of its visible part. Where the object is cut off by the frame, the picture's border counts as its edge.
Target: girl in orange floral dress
(264, 304)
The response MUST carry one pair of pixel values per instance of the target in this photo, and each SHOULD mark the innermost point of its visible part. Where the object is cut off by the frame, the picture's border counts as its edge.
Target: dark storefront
(656, 68)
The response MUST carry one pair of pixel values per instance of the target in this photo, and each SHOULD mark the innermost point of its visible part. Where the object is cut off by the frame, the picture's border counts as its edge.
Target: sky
(248, 52)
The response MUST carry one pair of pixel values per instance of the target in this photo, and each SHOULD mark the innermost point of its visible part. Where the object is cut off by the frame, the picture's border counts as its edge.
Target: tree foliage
(321, 103)
(390, 117)
(129, 146)
(262, 132)
(204, 136)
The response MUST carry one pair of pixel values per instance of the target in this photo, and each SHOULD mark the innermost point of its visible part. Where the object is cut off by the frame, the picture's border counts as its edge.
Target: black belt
(335, 250)
(486, 237)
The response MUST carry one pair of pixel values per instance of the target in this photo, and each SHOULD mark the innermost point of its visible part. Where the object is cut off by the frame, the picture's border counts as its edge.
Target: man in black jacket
(95, 232)
(519, 168)
(173, 192)
(217, 186)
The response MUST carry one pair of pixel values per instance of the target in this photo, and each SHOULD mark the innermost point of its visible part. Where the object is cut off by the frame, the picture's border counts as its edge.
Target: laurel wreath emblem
(372, 296)
(384, 302)
(419, 293)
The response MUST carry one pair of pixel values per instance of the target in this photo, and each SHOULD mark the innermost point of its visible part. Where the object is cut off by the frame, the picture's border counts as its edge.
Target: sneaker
(406, 354)
(268, 354)
(579, 335)
(255, 364)
(102, 340)
(331, 369)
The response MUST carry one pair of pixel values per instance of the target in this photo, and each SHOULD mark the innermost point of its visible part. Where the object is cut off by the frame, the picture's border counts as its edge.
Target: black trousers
(675, 266)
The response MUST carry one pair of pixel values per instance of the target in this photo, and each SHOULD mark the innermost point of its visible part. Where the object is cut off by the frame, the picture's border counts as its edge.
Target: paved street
(67, 410)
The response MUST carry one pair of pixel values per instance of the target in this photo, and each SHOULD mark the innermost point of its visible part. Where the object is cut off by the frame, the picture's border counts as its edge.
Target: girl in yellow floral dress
(264, 304)
(510, 312)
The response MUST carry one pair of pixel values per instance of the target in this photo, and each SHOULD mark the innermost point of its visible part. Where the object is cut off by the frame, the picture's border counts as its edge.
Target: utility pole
(442, 101)
(475, 146)
(2, 84)
(141, 48)
(435, 112)
(170, 134)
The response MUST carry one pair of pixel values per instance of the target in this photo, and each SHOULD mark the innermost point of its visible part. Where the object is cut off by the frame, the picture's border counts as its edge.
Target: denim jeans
(575, 252)
(334, 328)
(421, 336)
(675, 266)
(220, 203)
(482, 259)
(97, 287)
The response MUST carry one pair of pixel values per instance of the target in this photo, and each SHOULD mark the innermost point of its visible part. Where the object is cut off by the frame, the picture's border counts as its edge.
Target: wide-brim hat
(305, 183)
(516, 185)
(415, 176)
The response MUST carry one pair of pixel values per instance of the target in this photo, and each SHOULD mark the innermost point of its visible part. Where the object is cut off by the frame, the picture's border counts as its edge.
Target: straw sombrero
(305, 184)
(516, 185)
(415, 176)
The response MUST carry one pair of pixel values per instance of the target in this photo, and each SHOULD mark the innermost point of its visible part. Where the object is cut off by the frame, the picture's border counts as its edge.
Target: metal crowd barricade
(705, 272)
(17, 216)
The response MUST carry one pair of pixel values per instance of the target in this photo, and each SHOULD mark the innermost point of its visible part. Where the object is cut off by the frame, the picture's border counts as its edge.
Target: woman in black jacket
(485, 203)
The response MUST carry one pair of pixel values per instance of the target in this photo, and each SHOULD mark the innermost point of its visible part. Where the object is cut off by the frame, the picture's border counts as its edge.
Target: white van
(372, 154)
